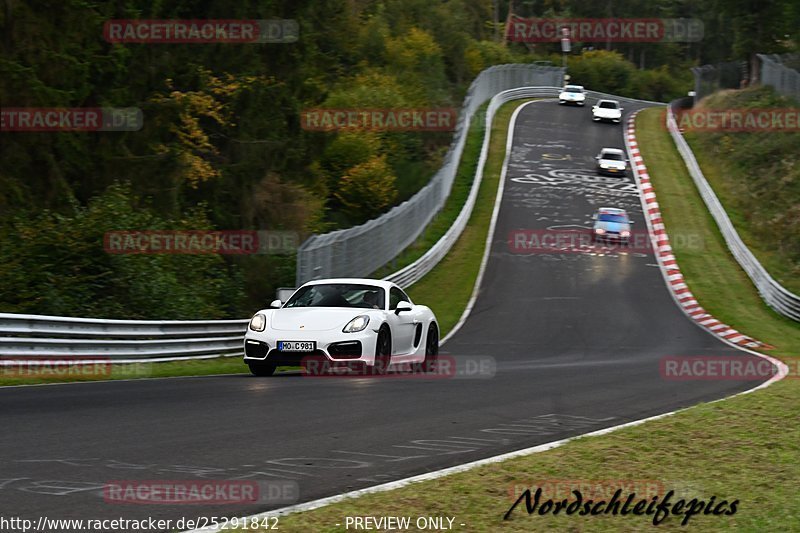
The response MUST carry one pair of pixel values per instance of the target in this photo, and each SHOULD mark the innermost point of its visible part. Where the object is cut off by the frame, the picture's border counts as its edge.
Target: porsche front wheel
(431, 350)
(383, 351)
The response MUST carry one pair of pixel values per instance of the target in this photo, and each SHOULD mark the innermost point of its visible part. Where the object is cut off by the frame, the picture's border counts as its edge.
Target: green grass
(710, 271)
(756, 176)
(145, 369)
(719, 176)
(744, 448)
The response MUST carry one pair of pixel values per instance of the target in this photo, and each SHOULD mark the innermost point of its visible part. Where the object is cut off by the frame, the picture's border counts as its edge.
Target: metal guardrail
(28, 336)
(361, 250)
(775, 295)
(38, 336)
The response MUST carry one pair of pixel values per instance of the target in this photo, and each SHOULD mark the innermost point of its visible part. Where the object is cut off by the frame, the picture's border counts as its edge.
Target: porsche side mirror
(276, 304)
(402, 307)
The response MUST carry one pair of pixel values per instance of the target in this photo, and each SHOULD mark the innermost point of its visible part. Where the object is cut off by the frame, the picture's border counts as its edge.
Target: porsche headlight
(357, 324)
(258, 322)
(604, 165)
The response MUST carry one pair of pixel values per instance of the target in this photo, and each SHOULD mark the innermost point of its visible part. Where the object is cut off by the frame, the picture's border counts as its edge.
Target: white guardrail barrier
(30, 337)
(772, 292)
(33, 336)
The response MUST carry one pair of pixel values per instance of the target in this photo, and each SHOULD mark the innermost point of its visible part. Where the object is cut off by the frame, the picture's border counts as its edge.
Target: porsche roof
(611, 151)
(362, 281)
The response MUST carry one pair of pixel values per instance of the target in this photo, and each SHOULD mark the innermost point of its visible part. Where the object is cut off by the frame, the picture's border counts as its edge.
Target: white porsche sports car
(362, 322)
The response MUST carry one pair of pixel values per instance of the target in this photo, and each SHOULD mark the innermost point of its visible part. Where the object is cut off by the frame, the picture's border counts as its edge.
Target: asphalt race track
(574, 341)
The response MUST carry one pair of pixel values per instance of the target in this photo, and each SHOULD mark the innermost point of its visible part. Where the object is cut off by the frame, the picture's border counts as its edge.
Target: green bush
(55, 264)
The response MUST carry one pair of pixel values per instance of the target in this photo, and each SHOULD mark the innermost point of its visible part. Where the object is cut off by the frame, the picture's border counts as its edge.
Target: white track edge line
(487, 249)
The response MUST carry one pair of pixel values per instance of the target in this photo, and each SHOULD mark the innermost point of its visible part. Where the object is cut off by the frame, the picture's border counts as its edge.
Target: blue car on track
(611, 224)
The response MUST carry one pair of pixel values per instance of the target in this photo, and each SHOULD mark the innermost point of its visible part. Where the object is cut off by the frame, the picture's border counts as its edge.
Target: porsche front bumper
(333, 345)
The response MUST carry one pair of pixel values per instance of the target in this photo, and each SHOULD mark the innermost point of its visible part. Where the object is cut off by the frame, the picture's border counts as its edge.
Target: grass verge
(744, 448)
(102, 372)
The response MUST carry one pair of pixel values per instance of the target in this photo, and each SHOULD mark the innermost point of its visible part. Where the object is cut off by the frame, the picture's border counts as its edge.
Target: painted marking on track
(317, 462)
(394, 458)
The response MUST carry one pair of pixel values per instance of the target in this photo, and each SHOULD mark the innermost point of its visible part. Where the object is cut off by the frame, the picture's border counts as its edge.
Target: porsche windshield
(612, 156)
(338, 295)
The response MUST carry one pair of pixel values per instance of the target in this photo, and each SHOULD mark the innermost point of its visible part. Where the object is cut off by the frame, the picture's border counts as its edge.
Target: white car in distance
(612, 162)
(607, 110)
(572, 94)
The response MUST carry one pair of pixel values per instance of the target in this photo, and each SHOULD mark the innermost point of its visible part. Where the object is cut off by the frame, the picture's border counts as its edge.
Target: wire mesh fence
(711, 78)
(781, 72)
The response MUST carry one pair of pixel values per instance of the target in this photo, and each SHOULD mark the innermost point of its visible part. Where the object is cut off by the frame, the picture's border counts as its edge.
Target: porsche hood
(313, 318)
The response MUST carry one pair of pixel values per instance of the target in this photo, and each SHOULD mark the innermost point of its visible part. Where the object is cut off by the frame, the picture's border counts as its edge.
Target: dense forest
(222, 146)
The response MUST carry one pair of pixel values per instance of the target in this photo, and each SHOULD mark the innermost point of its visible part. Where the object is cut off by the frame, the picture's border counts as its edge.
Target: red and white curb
(666, 259)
